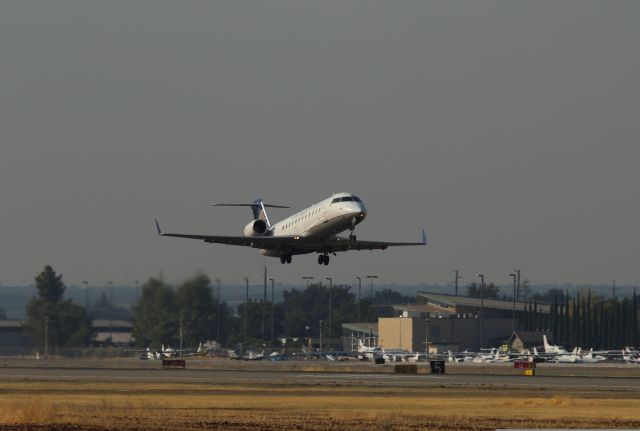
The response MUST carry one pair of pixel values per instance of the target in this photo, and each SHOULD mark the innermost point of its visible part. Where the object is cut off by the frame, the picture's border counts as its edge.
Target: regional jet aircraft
(312, 230)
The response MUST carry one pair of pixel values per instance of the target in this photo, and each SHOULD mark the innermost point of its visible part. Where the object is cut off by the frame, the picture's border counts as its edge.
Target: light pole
(246, 312)
(513, 318)
(359, 294)
(308, 341)
(86, 295)
(320, 349)
(456, 278)
(371, 277)
(481, 308)
(517, 272)
(272, 281)
(306, 277)
(181, 337)
(330, 306)
(110, 283)
(426, 337)
(218, 310)
(46, 337)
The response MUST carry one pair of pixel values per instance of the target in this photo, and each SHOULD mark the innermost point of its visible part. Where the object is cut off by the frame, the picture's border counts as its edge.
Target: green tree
(67, 324)
(155, 316)
(196, 311)
(309, 306)
(490, 290)
(392, 297)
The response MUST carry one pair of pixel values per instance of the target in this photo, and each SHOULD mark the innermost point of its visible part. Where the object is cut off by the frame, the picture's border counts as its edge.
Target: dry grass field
(46, 405)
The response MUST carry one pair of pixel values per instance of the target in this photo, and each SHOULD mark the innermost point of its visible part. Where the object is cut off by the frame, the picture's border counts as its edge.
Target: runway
(274, 378)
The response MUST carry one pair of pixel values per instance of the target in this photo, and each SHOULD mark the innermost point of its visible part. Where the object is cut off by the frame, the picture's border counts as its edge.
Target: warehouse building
(445, 333)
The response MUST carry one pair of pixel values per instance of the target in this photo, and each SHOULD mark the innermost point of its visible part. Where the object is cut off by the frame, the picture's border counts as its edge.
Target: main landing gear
(323, 259)
(285, 259)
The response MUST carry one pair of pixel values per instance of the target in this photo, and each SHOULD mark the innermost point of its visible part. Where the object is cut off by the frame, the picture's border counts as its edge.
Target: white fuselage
(323, 220)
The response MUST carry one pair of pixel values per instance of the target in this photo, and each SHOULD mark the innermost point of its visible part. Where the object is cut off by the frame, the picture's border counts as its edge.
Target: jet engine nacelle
(256, 228)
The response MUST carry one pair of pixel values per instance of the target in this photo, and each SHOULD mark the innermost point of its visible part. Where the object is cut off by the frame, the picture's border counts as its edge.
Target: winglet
(158, 227)
(424, 237)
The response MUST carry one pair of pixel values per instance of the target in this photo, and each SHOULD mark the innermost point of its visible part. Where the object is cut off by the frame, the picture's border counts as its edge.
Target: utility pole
(271, 279)
(455, 279)
(517, 272)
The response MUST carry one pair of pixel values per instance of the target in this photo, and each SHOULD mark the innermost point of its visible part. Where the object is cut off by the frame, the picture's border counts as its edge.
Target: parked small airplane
(548, 348)
(630, 357)
(164, 352)
(313, 230)
(590, 358)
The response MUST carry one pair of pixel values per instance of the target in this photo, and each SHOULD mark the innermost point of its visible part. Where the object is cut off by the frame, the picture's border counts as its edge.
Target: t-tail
(257, 209)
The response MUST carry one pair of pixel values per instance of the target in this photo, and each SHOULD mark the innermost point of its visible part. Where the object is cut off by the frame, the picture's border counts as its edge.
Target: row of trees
(587, 320)
(163, 310)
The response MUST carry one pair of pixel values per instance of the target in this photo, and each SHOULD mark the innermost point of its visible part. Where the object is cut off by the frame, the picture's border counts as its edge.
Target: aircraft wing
(338, 243)
(335, 244)
(265, 242)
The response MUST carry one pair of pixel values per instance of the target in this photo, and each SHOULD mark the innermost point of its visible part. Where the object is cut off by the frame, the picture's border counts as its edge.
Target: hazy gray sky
(508, 129)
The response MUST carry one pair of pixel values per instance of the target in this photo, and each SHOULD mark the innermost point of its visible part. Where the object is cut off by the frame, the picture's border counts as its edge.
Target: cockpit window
(357, 199)
(335, 200)
(346, 199)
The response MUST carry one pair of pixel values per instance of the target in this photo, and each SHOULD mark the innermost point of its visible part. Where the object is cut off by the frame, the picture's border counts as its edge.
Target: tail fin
(546, 343)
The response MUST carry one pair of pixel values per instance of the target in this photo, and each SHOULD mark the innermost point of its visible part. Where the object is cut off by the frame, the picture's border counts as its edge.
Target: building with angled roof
(468, 305)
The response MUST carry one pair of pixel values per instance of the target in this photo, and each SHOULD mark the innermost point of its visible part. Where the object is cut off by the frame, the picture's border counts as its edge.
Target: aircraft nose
(360, 215)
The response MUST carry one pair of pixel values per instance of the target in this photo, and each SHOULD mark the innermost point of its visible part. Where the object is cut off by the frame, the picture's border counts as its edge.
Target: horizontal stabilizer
(249, 205)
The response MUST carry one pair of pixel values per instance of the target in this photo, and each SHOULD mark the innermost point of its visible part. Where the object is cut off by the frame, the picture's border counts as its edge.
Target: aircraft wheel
(283, 259)
(326, 259)
(289, 259)
(320, 259)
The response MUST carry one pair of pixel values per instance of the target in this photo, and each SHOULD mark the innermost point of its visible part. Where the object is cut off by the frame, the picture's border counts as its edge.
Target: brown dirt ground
(99, 406)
